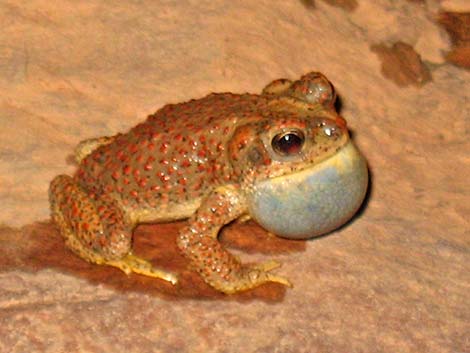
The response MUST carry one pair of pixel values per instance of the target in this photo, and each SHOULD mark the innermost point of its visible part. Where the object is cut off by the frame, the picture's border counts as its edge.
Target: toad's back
(176, 155)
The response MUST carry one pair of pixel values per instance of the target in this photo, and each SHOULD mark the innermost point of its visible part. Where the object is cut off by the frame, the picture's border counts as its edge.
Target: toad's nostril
(332, 128)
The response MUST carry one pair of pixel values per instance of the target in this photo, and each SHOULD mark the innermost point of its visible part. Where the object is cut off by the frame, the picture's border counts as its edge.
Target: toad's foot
(247, 277)
(257, 274)
(131, 263)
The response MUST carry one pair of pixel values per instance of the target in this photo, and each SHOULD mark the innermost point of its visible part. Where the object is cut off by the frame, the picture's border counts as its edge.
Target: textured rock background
(396, 279)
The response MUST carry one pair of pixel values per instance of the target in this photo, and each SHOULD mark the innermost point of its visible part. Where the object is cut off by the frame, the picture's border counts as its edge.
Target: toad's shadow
(39, 246)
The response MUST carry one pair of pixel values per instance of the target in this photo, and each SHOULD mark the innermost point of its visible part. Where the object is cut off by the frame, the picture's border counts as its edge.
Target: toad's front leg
(220, 269)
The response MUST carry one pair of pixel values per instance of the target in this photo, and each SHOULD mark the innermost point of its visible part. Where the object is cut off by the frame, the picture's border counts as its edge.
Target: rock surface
(395, 279)
(458, 26)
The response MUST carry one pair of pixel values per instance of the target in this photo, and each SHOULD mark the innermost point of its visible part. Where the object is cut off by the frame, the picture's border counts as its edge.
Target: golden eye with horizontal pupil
(288, 143)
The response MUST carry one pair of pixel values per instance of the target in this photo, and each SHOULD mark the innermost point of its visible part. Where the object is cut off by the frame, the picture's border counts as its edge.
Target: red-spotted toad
(283, 157)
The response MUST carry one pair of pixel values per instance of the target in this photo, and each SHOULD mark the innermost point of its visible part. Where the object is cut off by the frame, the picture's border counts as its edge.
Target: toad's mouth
(312, 201)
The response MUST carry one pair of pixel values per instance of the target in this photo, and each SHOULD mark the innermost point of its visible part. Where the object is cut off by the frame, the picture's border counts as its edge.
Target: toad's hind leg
(96, 230)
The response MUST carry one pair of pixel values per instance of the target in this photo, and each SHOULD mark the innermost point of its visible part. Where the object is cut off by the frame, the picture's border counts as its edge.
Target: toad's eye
(288, 143)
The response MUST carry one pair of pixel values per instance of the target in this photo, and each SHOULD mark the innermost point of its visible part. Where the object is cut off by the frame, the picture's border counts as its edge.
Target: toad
(283, 157)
